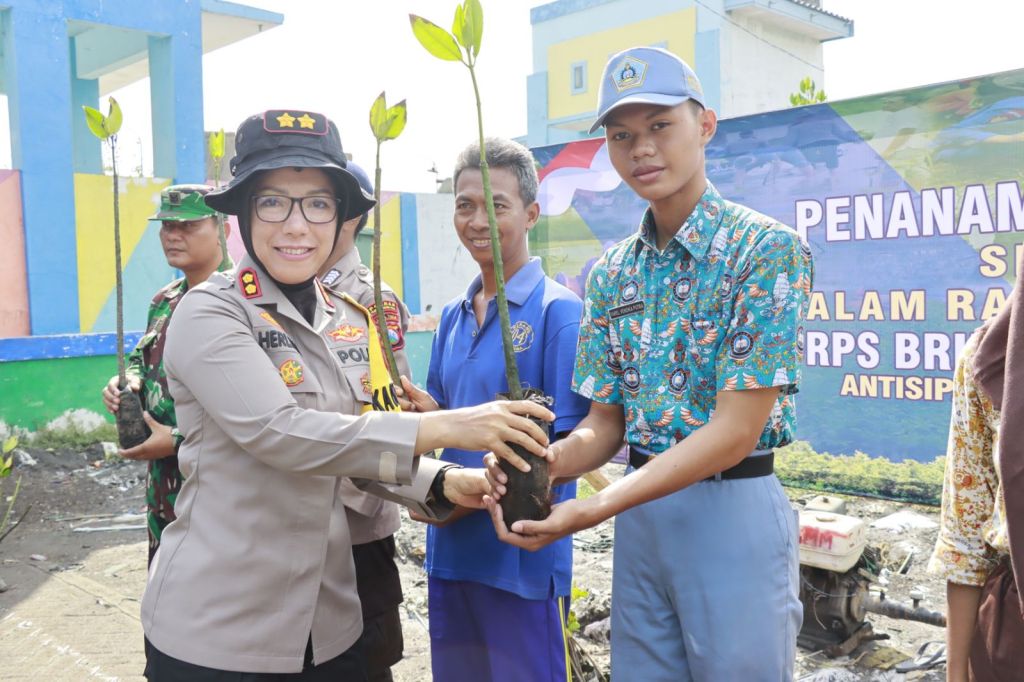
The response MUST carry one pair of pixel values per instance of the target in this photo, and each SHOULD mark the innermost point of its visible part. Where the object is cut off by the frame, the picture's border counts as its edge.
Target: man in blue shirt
(497, 612)
(690, 347)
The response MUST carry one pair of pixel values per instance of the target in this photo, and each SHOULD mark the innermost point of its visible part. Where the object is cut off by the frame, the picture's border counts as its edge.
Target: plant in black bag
(528, 495)
(131, 427)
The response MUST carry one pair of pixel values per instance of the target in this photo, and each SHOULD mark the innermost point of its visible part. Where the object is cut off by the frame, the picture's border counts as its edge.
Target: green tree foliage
(807, 94)
(799, 466)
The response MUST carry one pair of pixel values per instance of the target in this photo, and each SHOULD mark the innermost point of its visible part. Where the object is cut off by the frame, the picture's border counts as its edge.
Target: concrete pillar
(36, 51)
(176, 93)
(88, 154)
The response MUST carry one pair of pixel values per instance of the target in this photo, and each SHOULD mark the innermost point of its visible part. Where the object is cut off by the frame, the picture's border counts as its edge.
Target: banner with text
(913, 205)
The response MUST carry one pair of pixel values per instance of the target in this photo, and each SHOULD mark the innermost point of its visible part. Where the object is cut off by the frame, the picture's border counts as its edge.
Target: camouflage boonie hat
(184, 202)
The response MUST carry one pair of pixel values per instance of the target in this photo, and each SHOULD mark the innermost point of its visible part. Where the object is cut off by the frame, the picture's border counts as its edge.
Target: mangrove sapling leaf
(131, 427)
(95, 120)
(216, 145)
(386, 123)
(469, 22)
(435, 39)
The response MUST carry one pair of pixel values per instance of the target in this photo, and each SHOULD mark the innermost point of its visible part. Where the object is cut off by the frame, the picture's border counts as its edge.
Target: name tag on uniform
(628, 309)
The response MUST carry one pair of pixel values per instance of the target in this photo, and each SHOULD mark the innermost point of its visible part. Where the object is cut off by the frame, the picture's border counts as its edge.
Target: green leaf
(10, 444)
(96, 122)
(457, 26)
(474, 22)
(113, 122)
(217, 144)
(378, 116)
(395, 121)
(435, 39)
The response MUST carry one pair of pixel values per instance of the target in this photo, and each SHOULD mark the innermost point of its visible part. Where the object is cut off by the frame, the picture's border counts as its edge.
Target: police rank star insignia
(294, 121)
(249, 282)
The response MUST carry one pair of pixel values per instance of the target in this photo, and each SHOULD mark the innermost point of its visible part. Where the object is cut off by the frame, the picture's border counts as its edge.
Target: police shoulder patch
(392, 320)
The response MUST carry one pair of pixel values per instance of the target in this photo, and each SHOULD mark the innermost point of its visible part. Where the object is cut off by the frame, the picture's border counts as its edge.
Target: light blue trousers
(705, 585)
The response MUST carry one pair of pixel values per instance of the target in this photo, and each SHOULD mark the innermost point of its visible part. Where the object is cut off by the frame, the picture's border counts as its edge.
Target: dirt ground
(73, 573)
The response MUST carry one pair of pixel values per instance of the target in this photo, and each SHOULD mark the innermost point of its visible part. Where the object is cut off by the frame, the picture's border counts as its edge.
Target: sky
(335, 57)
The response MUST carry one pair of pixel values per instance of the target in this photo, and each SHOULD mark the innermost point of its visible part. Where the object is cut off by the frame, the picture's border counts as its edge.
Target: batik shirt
(973, 536)
(146, 364)
(721, 308)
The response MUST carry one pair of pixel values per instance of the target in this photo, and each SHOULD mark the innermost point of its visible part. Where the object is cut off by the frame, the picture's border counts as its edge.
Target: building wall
(14, 312)
(758, 76)
(144, 267)
(674, 30)
(446, 268)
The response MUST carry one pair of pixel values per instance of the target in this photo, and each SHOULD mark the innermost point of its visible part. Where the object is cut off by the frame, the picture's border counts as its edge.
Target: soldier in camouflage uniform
(372, 521)
(190, 236)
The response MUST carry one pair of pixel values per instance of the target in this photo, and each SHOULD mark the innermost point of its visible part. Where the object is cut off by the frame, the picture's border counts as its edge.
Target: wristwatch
(436, 494)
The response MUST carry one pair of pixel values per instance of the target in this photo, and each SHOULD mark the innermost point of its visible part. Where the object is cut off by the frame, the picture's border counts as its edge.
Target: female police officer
(256, 574)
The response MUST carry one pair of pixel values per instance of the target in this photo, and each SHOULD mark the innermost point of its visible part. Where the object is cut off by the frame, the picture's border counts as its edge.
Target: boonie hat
(285, 138)
(184, 202)
(645, 75)
(361, 177)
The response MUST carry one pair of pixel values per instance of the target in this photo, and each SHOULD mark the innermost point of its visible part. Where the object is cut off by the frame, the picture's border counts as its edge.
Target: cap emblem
(629, 73)
(307, 123)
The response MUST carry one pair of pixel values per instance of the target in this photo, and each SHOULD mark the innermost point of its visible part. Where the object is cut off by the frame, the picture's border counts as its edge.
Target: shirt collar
(517, 289)
(699, 229)
(267, 292)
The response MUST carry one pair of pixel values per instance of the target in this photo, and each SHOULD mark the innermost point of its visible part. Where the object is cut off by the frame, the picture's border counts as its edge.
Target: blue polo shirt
(466, 368)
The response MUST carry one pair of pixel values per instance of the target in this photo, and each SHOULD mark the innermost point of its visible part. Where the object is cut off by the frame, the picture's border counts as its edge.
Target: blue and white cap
(645, 75)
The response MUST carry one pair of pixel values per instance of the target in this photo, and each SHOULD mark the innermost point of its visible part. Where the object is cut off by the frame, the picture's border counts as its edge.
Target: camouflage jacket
(146, 364)
(146, 361)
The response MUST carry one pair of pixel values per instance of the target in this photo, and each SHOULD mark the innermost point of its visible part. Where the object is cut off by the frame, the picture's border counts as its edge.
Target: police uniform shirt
(256, 562)
(370, 518)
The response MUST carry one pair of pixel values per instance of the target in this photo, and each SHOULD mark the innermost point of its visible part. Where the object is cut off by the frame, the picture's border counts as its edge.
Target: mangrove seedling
(216, 147)
(131, 427)
(387, 123)
(528, 494)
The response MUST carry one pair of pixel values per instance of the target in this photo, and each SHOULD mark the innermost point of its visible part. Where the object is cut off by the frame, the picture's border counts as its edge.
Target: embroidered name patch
(274, 339)
(628, 309)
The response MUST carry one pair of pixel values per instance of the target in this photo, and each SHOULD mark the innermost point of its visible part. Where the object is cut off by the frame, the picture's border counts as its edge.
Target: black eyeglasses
(275, 208)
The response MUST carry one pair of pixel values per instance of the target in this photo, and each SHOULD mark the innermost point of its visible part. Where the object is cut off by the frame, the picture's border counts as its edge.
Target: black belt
(750, 467)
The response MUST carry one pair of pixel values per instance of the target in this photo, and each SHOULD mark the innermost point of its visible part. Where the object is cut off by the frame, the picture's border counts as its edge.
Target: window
(578, 78)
